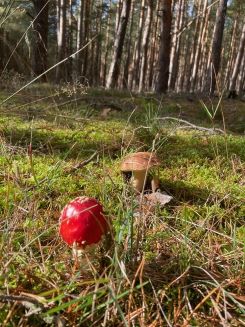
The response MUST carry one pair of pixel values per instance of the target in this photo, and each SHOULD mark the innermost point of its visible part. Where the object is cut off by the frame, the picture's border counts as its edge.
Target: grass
(182, 265)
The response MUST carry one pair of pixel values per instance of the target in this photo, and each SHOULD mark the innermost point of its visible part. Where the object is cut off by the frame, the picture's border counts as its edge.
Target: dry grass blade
(48, 70)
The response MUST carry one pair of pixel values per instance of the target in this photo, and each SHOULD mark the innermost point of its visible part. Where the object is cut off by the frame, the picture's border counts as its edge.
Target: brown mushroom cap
(139, 161)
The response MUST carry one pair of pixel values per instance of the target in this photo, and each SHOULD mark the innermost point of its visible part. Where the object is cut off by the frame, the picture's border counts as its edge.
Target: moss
(202, 226)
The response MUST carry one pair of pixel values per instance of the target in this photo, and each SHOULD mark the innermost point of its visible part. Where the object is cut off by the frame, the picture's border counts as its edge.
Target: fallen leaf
(158, 198)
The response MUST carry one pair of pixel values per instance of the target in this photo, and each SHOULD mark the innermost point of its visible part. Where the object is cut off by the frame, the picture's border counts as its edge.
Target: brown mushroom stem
(138, 179)
(155, 184)
(139, 164)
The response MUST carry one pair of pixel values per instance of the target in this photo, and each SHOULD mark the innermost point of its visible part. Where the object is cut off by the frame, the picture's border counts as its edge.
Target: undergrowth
(181, 266)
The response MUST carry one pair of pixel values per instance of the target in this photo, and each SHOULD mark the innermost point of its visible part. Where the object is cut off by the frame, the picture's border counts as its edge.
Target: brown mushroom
(139, 164)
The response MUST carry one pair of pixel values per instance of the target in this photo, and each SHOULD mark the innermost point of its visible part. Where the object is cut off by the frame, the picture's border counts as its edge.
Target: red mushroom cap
(82, 222)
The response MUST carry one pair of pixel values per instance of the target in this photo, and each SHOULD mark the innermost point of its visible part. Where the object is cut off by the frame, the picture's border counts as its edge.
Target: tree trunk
(2, 48)
(240, 54)
(98, 47)
(90, 49)
(118, 45)
(196, 16)
(106, 48)
(40, 26)
(145, 42)
(118, 14)
(133, 68)
(176, 49)
(217, 43)
(232, 48)
(153, 49)
(200, 41)
(70, 43)
(241, 78)
(176, 19)
(127, 66)
(165, 47)
(204, 54)
(80, 32)
(86, 18)
(61, 39)
(138, 46)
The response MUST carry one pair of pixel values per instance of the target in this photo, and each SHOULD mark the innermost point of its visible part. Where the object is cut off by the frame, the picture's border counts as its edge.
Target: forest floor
(181, 266)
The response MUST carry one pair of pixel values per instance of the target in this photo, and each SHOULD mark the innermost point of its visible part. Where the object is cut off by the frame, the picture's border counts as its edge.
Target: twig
(34, 304)
(20, 299)
(190, 125)
(83, 163)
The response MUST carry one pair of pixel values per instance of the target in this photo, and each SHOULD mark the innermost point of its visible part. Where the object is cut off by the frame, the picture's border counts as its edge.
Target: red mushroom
(82, 222)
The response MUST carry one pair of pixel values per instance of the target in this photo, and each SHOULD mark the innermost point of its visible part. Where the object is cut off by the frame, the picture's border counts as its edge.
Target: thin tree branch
(84, 162)
(190, 125)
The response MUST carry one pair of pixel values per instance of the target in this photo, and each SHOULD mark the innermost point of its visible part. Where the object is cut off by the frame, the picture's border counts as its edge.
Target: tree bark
(153, 48)
(86, 22)
(196, 10)
(138, 46)
(104, 62)
(61, 39)
(98, 47)
(232, 47)
(134, 66)
(217, 43)
(165, 47)
(204, 54)
(80, 31)
(183, 64)
(118, 45)
(70, 43)
(200, 41)
(2, 48)
(128, 66)
(240, 55)
(145, 42)
(118, 14)
(241, 78)
(176, 48)
(40, 26)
